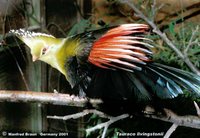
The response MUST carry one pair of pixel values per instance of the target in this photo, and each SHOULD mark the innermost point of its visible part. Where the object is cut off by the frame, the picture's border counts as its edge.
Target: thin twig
(187, 121)
(161, 6)
(104, 125)
(153, 6)
(161, 34)
(191, 41)
(57, 26)
(67, 117)
(107, 124)
(197, 108)
(20, 70)
(171, 130)
(104, 132)
(81, 114)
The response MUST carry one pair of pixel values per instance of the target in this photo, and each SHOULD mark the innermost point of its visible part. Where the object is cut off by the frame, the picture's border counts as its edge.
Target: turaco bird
(114, 64)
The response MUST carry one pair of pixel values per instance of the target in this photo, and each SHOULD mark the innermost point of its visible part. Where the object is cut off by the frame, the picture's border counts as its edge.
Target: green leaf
(171, 28)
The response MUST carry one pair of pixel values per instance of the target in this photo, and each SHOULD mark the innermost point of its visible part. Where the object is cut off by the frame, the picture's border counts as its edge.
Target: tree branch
(161, 34)
(81, 114)
(191, 41)
(45, 98)
(171, 130)
(105, 125)
(187, 121)
(197, 108)
(67, 100)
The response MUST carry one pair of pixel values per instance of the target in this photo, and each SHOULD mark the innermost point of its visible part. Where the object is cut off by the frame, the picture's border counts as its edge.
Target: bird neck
(65, 52)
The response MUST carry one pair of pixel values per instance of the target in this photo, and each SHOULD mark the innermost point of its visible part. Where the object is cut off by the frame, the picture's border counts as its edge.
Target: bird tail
(153, 81)
(168, 82)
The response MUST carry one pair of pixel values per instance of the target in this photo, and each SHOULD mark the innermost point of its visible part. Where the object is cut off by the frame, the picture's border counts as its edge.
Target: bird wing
(124, 47)
(127, 48)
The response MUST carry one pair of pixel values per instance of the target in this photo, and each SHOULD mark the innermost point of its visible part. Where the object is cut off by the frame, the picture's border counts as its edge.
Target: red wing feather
(120, 49)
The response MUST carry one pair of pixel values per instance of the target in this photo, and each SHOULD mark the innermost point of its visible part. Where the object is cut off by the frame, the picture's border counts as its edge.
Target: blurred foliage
(84, 26)
(181, 39)
(94, 120)
(80, 27)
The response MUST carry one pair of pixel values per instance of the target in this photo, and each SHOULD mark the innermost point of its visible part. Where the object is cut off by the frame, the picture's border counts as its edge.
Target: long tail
(169, 82)
(154, 80)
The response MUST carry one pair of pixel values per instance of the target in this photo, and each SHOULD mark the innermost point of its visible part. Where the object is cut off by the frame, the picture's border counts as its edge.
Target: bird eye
(44, 50)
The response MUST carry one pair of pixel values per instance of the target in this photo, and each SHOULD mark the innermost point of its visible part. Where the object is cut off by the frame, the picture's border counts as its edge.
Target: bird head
(38, 43)
(42, 46)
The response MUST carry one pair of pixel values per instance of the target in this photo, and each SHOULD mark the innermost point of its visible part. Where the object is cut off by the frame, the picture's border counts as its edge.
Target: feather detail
(28, 34)
(122, 47)
(185, 79)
